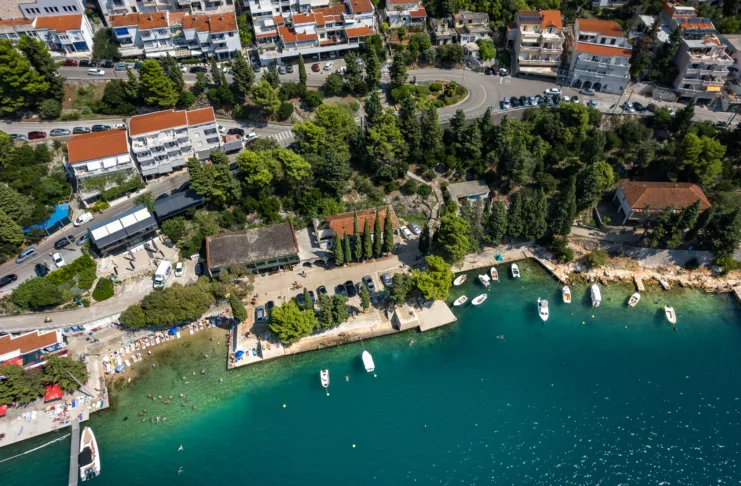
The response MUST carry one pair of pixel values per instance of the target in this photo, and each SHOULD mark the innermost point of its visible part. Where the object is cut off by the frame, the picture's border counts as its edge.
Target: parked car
(312, 296)
(587, 91)
(82, 239)
(405, 232)
(315, 68)
(504, 72)
(575, 99)
(322, 290)
(387, 280)
(565, 99)
(592, 104)
(333, 55)
(235, 131)
(251, 137)
(340, 290)
(83, 218)
(552, 91)
(18, 137)
(549, 101)
(639, 107)
(58, 260)
(26, 254)
(95, 72)
(341, 70)
(260, 315)
(488, 71)
(300, 299)
(350, 288)
(256, 68)
(162, 196)
(184, 69)
(119, 126)
(36, 135)
(414, 228)
(87, 63)
(368, 281)
(505, 104)
(289, 68)
(80, 130)
(70, 62)
(199, 269)
(59, 132)
(179, 268)
(524, 101)
(269, 306)
(328, 66)
(41, 269)
(63, 243)
(198, 69)
(628, 107)
(107, 63)
(281, 70)
(101, 128)
(8, 279)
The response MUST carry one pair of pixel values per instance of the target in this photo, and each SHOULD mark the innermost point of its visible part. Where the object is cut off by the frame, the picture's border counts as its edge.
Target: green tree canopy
(155, 87)
(20, 84)
(265, 98)
(242, 75)
(104, 47)
(57, 371)
(19, 387)
(452, 238)
(290, 323)
(436, 280)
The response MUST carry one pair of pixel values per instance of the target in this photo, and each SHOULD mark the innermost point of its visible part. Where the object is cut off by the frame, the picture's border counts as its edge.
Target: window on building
(602, 40)
(56, 9)
(46, 9)
(612, 42)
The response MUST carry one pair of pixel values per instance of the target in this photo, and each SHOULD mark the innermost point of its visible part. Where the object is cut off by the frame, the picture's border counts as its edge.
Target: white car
(588, 91)
(58, 260)
(333, 55)
(118, 125)
(222, 129)
(179, 269)
(83, 218)
(251, 137)
(95, 72)
(328, 66)
(183, 69)
(552, 91)
(565, 99)
(628, 107)
(341, 70)
(405, 232)
(592, 104)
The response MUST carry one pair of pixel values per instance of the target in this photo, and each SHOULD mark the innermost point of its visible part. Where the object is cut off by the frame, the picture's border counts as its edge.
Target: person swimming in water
(180, 470)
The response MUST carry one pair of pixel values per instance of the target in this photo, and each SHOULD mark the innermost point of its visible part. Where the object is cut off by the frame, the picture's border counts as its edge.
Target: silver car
(59, 132)
(414, 228)
(387, 281)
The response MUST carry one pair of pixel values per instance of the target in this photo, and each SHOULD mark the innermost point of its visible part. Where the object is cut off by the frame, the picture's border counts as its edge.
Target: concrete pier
(639, 283)
(74, 453)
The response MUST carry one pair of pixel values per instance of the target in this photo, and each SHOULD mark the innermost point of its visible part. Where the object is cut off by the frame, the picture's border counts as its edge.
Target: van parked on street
(163, 271)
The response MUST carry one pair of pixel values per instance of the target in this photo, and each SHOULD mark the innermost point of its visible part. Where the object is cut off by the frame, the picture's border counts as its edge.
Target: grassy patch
(78, 96)
(103, 290)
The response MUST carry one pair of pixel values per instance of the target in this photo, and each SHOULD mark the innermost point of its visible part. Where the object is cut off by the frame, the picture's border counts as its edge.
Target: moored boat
(670, 315)
(596, 296)
(634, 299)
(515, 271)
(566, 294)
(543, 309)
(460, 280)
(324, 377)
(494, 274)
(89, 457)
(478, 300)
(460, 300)
(485, 280)
(367, 362)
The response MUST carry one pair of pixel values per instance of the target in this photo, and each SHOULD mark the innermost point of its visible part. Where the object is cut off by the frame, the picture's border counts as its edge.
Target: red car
(36, 135)
(70, 62)
(315, 68)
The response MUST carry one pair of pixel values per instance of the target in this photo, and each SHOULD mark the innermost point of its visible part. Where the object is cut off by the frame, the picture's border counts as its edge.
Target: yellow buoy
(284, 405)
(353, 446)
(375, 375)
(327, 393)
(583, 322)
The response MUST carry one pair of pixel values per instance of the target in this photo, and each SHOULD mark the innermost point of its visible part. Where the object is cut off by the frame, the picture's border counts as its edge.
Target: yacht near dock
(324, 377)
(634, 299)
(485, 280)
(460, 280)
(478, 300)
(671, 316)
(515, 271)
(494, 274)
(566, 293)
(543, 309)
(596, 296)
(370, 367)
(89, 457)
(460, 301)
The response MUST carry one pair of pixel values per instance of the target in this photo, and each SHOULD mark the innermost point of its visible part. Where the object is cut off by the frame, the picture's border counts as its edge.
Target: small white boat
(634, 299)
(89, 457)
(460, 300)
(494, 274)
(367, 362)
(566, 293)
(478, 300)
(460, 280)
(543, 309)
(485, 280)
(324, 377)
(515, 271)
(596, 296)
(670, 315)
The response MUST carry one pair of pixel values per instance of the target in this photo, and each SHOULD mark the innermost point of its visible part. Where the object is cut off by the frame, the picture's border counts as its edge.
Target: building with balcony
(471, 26)
(599, 56)
(441, 32)
(405, 13)
(63, 34)
(163, 141)
(309, 28)
(178, 34)
(537, 39)
(98, 154)
(703, 65)
(122, 7)
(45, 8)
(31, 350)
(129, 230)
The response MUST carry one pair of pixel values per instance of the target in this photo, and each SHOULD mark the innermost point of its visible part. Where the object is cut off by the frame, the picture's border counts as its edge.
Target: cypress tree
(514, 217)
(367, 241)
(301, 72)
(377, 235)
(388, 233)
(357, 239)
(566, 210)
(496, 224)
(308, 304)
(339, 254)
(347, 249)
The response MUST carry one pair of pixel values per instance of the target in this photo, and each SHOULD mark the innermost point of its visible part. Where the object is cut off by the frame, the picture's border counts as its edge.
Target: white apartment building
(120, 7)
(405, 13)
(599, 56)
(163, 141)
(538, 41)
(97, 154)
(63, 34)
(702, 62)
(285, 29)
(178, 34)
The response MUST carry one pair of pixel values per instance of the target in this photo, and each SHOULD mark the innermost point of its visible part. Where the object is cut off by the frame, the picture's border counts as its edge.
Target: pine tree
(131, 85)
(326, 318)
(302, 72)
(566, 209)
(357, 239)
(388, 233)
(688, 216)
(377, 235)
(242, 75)
(40, 57)
(20, 84)
(514, 217)
(155, 87)
(364, 298)
(372, 70)
(172, 69)
(540, 216)
(411, 127)
(17, 206)
(373, 110)
(215, 74)
(398, 71)
(347, 248)
(308, 304)
(367, 241)
(496, 225)
(339, 254)
(11, 235)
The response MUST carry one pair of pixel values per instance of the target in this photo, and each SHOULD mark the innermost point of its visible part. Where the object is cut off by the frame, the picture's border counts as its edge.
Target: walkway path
(74, 452)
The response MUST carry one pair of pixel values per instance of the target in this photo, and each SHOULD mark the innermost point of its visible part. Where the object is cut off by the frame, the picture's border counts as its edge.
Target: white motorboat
(460, 280)
(324, 376)
(670, 315)
(566, 293)
(494, 274)
(596, 296)
(543, 309)
(515, 271)
(460, 301)
(634, 299)
(367, 362)
(478, 300)
(485, 280)
(89, 457)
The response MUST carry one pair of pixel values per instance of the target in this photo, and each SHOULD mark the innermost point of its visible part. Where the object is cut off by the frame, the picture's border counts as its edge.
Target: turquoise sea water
(618, 398)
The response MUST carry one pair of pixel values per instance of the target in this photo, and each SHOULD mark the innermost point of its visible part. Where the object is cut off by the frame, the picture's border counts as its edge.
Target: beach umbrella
(173, 331)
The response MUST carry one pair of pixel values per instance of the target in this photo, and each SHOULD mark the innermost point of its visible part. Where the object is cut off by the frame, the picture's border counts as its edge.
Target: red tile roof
(59, 23)
(361, 6)
(551, 17)
(602, 50)
(362, 31)
(278, 19)
(97, 145)
(603, 27)
(342, 224)
(154, 20)
(419, 13)
(124, 20)
(25, 343)
(198, 117)
(265, 35)
(304, 18)
(656, 195)
(155, 122)
(289, 36)
(223, 22)
(336, 9)
(5, 23)
(399, 2)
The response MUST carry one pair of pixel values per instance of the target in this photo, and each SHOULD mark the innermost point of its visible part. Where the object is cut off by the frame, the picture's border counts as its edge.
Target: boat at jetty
(324, 377)
(670, 315)
(494, 274)
(596, 296)
(460, 280)
(566, 293)
(460, 300)
(543, 309)
(89, 457)
(515, 271)
(367, 362)
(634, 299)
(485, 280)
(478, 300)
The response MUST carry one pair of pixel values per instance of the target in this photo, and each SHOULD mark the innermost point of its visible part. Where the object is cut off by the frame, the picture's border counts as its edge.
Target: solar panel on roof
(114, 226)
(128, 220)
(142, 214)
(99, 233)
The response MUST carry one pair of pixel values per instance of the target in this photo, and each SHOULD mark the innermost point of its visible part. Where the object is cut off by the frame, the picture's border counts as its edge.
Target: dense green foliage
(435, 282)
(23, 387)
(238, 310)
(173, 305)
(103, 289)
(290, 323)
(57, 287)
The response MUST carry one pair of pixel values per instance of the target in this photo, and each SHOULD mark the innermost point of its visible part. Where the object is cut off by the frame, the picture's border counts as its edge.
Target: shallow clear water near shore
(615, 398)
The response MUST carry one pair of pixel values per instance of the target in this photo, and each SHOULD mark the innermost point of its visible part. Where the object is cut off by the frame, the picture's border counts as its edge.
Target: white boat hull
(485, 280)
(459, 281)
(671, 316)
(89, 446)
(494, 274)
(370, 366)
(596, 296)
(634, 299)
(515, 271)
(566, 294)
(543, 309)
(460, 300)
(324, 378)
(478, 300)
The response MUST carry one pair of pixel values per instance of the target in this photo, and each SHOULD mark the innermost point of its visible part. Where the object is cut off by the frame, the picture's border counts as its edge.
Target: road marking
(501, 78)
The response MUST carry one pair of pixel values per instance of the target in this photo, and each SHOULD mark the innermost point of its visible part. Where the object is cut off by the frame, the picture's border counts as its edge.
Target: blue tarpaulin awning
(57, 219)
(173, 331)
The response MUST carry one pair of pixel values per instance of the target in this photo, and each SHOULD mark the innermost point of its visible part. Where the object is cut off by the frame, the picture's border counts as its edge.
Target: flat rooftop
(251, 245)
(466, 189)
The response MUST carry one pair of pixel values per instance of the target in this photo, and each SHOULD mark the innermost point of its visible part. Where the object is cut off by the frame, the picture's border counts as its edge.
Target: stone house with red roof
(638, 199)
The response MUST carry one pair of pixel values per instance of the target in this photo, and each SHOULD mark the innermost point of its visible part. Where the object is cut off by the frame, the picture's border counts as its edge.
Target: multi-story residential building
(471, 26)
(98, 154)
(538, 40)
(162, 141)
(178, 34)
(63, 34)
(599, 56)
(441, 32)
(46, 8)
(405, 13)
(120, 7)
(702, 62)
(310, 28)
